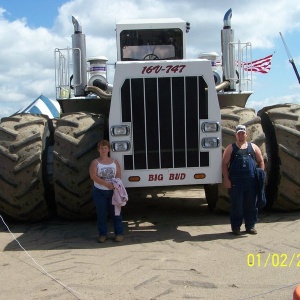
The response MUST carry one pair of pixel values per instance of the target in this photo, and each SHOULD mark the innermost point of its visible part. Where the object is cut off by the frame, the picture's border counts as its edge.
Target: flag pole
(290, 58)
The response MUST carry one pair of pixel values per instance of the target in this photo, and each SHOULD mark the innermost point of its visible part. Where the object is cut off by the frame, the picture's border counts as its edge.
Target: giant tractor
(167, 118)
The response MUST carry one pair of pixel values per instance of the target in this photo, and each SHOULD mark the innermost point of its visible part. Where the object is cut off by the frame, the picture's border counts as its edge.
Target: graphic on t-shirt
(107, 173)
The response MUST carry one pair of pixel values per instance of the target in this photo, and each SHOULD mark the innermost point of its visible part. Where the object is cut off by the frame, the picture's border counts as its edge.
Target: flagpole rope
(72, 291)
(271, 291)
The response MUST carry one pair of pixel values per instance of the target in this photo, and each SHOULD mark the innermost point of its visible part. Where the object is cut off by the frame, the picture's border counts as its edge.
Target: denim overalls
(243, 189)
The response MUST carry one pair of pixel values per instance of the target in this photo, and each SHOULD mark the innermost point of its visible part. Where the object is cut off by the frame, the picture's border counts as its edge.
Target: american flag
(262, 65)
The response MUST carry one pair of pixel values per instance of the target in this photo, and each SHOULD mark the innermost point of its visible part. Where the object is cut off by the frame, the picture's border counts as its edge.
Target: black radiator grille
(164, 115)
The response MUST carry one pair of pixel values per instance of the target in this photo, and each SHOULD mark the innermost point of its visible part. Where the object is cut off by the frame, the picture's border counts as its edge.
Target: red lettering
(151, 177)
(174, 69)
(149, 69)
(168, 68)
(182, 67)
(157, 69)
(177, 176)
(155, 177)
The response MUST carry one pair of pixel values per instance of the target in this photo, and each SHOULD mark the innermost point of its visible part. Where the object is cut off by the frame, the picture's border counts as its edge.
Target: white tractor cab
(162, 112)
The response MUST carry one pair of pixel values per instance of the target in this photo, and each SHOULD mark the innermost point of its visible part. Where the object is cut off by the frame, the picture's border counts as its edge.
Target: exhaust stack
(79, 59)
(227, 38)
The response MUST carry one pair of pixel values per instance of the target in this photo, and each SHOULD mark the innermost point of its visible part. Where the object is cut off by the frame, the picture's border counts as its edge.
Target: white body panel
(168, 176)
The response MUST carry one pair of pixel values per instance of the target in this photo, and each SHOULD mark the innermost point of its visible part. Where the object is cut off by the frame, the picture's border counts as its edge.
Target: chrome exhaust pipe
(79, 59)
(228, 60)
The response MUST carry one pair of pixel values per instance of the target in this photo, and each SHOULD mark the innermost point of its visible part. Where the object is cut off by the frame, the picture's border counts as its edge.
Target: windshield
(151, 44)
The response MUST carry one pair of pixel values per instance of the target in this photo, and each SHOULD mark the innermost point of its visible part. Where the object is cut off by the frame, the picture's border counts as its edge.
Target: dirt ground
(173, 249)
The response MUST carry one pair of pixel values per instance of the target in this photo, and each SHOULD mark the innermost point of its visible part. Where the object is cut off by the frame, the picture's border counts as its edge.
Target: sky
(30, 31)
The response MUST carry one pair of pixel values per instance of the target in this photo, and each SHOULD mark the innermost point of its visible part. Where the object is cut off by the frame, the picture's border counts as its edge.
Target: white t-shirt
(107, 173)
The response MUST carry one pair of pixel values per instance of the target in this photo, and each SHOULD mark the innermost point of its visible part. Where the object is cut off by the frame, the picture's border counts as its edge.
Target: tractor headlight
(119, 130)
(210, 142)
(210, 127)
(120, 146)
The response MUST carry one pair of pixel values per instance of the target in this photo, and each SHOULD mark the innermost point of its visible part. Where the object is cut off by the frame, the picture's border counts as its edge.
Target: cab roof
(151, 21)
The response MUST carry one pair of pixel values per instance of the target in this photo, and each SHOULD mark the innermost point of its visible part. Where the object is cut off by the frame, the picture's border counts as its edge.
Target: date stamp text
(277, 260)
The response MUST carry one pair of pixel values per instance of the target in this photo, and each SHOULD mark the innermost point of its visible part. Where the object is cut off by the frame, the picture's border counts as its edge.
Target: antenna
(290, 58)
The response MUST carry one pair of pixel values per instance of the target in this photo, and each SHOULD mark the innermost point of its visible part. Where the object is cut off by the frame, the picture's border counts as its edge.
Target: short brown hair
(103, 143)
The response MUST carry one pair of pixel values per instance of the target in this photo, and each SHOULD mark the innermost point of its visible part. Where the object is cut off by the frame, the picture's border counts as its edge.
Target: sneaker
(119, 238)
(251, 231)
(101, 239)
(236, 231)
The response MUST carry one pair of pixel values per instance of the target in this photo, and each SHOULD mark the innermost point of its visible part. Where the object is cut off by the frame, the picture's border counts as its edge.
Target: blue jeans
(103, 203)
(243, 203)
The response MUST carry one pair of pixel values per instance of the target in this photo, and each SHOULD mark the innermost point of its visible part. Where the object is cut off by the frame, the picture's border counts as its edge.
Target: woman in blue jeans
(102, 171)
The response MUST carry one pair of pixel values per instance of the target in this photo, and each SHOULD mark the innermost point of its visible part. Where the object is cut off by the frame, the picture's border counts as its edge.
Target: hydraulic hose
(98, 92)
(223, 85)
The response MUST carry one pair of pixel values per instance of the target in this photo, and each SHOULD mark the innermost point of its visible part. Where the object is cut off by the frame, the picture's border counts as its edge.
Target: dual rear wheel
(276, 130)
(35, 158)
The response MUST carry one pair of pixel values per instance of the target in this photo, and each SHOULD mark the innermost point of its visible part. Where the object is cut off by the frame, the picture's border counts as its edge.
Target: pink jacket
(120, 196)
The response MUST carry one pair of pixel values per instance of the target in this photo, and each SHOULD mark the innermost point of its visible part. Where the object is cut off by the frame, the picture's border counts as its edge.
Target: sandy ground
(173, 249)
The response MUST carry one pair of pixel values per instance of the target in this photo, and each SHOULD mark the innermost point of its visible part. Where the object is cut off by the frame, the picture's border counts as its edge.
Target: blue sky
(37, 12)
(30, 31)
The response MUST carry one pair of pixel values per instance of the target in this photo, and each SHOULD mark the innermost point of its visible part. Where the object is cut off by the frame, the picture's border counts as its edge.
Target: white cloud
(259, 104)
(27, 54)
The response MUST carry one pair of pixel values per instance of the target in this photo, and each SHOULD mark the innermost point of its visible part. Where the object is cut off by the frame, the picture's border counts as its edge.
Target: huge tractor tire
(217, 195)
(24, 140)
(75, 146)
(281, 124)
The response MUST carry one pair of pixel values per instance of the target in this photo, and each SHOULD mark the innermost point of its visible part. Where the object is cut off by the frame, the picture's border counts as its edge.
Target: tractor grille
(164, 115)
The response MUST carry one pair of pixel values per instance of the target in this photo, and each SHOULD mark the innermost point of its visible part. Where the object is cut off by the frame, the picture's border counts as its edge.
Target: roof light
(188, 27)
